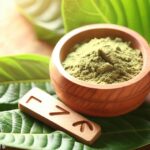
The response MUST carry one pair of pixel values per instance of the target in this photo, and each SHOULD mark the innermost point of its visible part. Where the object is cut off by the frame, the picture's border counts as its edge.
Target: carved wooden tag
(53, 112)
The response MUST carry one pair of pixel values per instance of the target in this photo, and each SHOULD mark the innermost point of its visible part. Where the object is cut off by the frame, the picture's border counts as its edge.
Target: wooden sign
(53, 112)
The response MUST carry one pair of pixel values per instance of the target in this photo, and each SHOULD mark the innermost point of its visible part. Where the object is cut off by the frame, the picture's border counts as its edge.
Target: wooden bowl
(93, 99)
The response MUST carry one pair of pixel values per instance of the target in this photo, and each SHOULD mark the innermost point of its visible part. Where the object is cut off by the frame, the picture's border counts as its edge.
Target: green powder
(104, 61)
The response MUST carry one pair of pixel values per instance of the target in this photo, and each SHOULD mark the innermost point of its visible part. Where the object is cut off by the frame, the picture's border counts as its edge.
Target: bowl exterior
(99, 102)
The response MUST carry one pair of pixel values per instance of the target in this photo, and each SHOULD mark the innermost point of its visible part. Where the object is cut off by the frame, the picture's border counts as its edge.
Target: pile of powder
(104, 61)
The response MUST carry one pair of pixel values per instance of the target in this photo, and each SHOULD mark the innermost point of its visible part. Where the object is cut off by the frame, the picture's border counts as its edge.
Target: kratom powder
(104, 61)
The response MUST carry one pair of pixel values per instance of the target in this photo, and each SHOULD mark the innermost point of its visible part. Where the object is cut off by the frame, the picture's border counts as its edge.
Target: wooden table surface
(18, 37)
(16, 33)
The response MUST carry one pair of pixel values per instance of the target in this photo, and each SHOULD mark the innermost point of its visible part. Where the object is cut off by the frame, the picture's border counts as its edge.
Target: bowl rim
(143, 43)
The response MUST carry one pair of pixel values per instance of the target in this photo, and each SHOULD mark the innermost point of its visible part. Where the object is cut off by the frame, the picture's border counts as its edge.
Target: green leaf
(18, 74)
(45, 17)
(134, 14)
(21, 131)
(120, 133)
(126, 132)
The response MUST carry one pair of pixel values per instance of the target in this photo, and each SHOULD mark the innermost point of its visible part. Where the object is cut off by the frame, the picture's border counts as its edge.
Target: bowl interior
(86, 35)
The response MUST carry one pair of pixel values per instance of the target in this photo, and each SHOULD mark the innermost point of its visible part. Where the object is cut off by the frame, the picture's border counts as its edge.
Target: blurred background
(16, 33)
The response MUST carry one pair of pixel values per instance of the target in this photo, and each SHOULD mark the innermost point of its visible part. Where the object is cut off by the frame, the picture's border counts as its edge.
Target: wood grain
(51, 111)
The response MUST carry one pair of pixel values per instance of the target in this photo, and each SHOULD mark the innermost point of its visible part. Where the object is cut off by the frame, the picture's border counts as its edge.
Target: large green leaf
(45, 17)
(134, 14)
(120, 133)
(18, 74)
(22, 131)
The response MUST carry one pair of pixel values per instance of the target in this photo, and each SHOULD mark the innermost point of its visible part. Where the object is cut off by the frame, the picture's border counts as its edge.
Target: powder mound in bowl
(104, 61)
